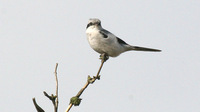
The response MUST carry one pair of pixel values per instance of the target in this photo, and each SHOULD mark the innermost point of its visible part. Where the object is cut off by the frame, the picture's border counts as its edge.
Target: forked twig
(76, 99)
(53, 98)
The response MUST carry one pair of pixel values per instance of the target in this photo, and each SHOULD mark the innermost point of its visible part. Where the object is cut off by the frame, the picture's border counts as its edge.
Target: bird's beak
(87, 26)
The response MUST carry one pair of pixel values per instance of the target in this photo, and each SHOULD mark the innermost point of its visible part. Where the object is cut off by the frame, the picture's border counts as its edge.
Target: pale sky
(37, 34)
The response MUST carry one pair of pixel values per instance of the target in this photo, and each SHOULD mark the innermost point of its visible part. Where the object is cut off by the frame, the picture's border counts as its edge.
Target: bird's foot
(104, 57)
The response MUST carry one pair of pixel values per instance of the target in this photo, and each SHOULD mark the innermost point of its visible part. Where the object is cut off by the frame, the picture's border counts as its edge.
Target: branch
(53, 98)
(56, 102)
(76, 100)
(38, 108)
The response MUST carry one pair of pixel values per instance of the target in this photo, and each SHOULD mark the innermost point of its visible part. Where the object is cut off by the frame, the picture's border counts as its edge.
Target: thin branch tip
(38, 108)
(90, 80)
(52, 97)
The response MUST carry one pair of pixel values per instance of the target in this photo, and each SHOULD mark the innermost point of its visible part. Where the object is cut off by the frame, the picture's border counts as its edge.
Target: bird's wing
(106, 33)
(121, 41)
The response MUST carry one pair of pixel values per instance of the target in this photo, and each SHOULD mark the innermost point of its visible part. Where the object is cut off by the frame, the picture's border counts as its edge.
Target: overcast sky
(37, 34)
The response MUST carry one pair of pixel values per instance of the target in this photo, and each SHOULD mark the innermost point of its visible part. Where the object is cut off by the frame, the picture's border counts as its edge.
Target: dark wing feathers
(103, 33)
(121, 41)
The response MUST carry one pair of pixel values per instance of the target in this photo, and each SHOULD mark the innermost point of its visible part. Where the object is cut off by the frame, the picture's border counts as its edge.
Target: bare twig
(76, 100)
(38, 108)
(69, 107)
(53, 98)
(56, 102)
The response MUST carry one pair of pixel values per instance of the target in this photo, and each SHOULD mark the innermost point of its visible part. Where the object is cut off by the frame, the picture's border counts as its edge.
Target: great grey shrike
(104, 42)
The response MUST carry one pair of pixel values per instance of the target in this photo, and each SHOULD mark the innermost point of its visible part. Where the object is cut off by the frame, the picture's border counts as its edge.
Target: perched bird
(104, 42)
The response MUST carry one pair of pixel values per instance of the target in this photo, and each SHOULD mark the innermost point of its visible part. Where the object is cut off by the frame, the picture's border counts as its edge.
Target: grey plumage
(104, 41)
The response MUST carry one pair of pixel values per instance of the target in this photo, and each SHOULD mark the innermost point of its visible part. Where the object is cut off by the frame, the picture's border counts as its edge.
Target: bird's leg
(104, 57)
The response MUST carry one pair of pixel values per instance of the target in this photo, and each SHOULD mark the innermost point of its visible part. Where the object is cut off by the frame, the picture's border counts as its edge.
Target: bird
(105, 42)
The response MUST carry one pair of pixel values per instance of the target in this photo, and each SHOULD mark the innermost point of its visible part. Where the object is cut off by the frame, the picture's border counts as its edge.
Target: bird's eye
(90, 24)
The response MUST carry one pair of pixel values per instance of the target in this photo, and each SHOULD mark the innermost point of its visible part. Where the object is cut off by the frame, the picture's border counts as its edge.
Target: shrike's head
(94, 22)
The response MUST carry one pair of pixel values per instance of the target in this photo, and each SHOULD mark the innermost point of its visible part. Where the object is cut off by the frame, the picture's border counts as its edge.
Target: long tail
(136, 48)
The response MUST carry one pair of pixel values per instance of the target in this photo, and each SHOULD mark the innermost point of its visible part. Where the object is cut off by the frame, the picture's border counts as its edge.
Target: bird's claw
(104, 57)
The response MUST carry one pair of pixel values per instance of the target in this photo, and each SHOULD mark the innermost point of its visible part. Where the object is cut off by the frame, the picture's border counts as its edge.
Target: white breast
(101, 45)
